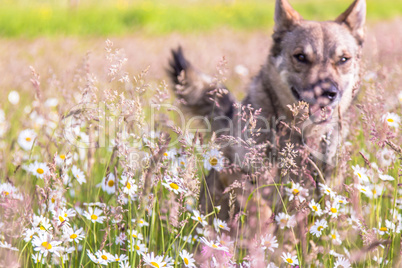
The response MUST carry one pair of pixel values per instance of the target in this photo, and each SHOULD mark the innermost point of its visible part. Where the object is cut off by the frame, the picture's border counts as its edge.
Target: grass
(31, 19)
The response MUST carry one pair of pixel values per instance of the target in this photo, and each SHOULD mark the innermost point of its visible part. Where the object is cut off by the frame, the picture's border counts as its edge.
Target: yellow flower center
(328, 190)
(390, 120)
(295, 192)
(137, 247)
(182, 163)
(165, 154)
(117, 259)
(363, 189)
(289, 260)
(284, 220)
(360, 175)
(40, 171)
(320, 228)
(174, 186)
(46, 245)
(154, 264)
(333, 210)
(42, 228)
(199, 219)
(104, 257)
(384, 229)
(110, 183)
(94, 217)
(374, 191)
(315, 208)
(134, 235)
(53, 200)
(185, 261)
(61, 219)
(28, 139)
(213, 161)
(214, 246)
(221, 226)
(62, 156)
(128, 185)
(6, 193)
(333, 236)
(73, 236)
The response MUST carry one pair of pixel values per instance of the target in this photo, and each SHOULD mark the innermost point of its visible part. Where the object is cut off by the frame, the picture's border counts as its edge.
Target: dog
(314, 62)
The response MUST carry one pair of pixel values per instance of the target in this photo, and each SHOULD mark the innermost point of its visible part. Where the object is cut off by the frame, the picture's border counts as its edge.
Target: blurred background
(32, 18)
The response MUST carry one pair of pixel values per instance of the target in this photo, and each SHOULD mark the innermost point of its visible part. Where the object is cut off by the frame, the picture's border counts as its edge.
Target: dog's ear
(355, 17)
(285, 16)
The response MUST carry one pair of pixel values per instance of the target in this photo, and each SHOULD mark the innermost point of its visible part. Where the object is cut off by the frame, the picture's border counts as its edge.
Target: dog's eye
(301, 57)
(344, 60)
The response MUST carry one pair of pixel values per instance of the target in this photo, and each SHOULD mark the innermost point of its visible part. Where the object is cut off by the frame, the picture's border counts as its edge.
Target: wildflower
(134, 234)
(342, 262)
(108, 184)
(315, 208)
(269, 242)
(39, 170)
(391, 119)
(199, 217)
(96, 259)
(74, 235)
(120, 239)
(129, 186)
(326, 190)
(376, 190)
(284, 220)
(60, 159)
(78, 174)
(335, 238)
(361, 174)
(365, 190)
(7, 246)
(386, 157)
(288, 258)
(120, 258)
(38, 258)
(213, 245)
(14, 97)
(154, 261)
(142, 223)
(138, 247)
(173, 184)
(220, 224)
(386, 177)
(318, 226)
(400, 97)
(124, 264)
(187, 258)
(389, 226)
(341, 200)
(170, 154)
(26, 139)
(62, 215)
(41, 222)
(297, 192)
(332, 209)
(6, 189)
(43, 244)
(28, 234)
(213, 159)
(94, 215)
(182, 161)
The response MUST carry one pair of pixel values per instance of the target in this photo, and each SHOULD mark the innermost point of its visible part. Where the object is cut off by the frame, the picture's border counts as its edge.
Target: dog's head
(318, 62)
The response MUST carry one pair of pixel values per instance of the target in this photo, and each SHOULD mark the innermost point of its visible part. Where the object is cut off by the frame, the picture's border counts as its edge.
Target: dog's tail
(198, 92)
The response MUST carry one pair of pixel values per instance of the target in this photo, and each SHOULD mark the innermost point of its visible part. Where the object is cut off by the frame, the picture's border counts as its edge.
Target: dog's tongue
(318, 114)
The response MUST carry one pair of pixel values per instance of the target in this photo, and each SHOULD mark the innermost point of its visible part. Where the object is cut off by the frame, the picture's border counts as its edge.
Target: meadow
(98, 169)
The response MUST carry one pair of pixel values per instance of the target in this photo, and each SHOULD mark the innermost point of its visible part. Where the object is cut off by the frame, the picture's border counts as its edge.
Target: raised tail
(198, 91)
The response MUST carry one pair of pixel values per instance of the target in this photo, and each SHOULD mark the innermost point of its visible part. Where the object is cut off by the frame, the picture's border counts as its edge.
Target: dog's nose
(331, 93)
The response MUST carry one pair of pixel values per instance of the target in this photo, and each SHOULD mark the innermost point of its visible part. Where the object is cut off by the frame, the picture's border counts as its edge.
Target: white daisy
(154, 261)
(213, 159)
(135, 235)
(332, 209)
(318, 227)
(120, 258)
(174, 184)
(96, 259)
(44, 245)
(269, 242)
(341, 262)
(187, 258)
(315, 208)
(94, 215)
(220, 225)
(199, 217)
(39, 170)
(386, 157)
(361, 174)
(74, 235)
(26, 139)
(386, 177)
(391, 119)
(214, 245)
(326, 190)
(297, 192)
(78, 174)
(284, 220)
(129, 186)
(335, 238)
(108, 184)
(138, 247)
(288, 258)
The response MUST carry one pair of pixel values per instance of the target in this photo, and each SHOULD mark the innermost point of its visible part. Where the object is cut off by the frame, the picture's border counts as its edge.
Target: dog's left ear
(355, 17)
(285, 16)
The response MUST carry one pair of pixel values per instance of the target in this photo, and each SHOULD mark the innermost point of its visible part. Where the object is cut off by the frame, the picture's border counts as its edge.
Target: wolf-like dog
(310, 61)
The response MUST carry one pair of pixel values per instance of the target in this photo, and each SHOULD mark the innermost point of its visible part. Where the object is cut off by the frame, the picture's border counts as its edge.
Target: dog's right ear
(285, 16)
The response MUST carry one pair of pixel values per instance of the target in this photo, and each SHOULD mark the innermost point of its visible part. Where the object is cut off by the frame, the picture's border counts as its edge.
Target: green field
(104, 18)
